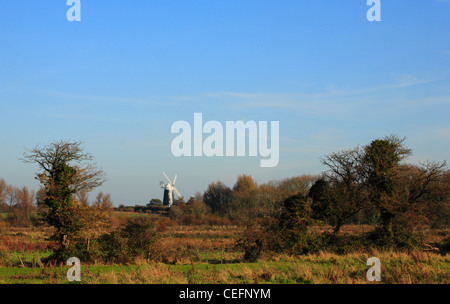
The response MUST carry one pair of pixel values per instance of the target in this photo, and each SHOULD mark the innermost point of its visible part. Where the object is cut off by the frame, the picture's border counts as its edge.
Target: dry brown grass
(345, 230)
(25, 240)
(189, 252)
(397, 268)
(148, 274)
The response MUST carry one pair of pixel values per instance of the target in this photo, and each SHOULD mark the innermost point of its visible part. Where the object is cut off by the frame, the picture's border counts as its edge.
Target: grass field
(206, 254)
(401, 268)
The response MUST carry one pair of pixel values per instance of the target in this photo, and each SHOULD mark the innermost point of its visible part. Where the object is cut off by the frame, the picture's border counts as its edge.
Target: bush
(188, 219)
(114, 249)
(403, 237)
(341, 244)
(292, 227)
(286, 234)
(19, 218)
(140, 235)
(254, 242)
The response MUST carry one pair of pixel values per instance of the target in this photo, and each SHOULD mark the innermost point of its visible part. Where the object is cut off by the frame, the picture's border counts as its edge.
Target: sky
(122, 76)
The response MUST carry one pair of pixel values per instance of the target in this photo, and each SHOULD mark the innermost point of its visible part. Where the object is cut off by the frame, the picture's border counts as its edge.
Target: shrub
(293, 224)
(114, 248)
(188, 219)
(254, 242)
(140, 235)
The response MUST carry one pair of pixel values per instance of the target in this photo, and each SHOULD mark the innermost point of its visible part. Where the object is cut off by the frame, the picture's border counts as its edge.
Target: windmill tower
(169, 188)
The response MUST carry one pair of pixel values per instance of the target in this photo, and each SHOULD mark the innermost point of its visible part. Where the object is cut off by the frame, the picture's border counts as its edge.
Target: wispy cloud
(406, 80)
(441, 132)
(309, 103)
(87, 97)
(430, 101)
(332, 100)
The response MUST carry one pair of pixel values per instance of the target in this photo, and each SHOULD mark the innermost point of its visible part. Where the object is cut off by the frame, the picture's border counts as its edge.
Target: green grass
(13, 259)
(415, 268)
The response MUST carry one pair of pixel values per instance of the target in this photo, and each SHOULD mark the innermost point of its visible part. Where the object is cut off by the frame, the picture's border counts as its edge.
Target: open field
(206, 254)
(397, 268)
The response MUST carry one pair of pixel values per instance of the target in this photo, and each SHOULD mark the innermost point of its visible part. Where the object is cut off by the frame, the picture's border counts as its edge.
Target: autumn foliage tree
(247, 200)
(64, 171)
(218, 198)
(244, 204)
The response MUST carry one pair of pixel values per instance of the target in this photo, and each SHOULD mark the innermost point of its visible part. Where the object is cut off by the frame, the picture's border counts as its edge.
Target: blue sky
(122, 76)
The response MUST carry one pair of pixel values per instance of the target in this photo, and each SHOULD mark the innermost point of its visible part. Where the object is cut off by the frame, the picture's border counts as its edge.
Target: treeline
(18, 205)
(24, 208)
(244, 202)
(371, 183)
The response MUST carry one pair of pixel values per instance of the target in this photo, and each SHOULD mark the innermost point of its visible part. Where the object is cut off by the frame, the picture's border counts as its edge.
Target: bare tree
(25, 199)
(57, 159)
(83, 198)
(103, 202)
(19, 214)
(423, 180)
(346, 193)
(3, 189)
(11, 197)
(421, 188)
(271, 195)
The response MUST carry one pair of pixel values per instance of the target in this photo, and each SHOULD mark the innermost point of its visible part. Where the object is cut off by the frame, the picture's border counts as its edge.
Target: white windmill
(169, 188)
